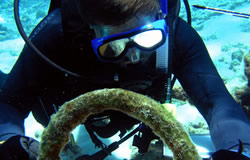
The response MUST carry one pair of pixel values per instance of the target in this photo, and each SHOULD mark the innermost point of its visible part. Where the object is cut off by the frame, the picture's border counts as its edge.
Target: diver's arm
(19, 90)
(198, 76)
(13, 104)
(11, 119)
(13, 143)
(11, 122)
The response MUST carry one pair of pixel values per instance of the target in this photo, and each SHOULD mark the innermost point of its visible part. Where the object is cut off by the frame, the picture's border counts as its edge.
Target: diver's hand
(19, 148)
(228, 155)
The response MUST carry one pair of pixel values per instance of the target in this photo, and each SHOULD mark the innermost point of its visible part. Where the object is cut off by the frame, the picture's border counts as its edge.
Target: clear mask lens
(113, 48)
(145, 40)
(149, 38)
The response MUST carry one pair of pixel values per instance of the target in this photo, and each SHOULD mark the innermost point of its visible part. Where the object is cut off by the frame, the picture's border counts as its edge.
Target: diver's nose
(133, 55)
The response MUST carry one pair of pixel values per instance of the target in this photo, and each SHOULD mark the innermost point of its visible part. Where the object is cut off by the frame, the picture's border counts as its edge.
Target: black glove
(228, 155)
(19, 148)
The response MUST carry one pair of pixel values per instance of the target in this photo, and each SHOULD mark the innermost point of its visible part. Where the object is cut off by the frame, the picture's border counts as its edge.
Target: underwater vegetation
(247, 66)
(243, 93)
(31, 12)
(141, 107)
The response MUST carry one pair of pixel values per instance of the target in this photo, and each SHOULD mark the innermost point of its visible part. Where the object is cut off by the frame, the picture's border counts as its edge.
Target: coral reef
(200, 16)
(212, 36)
(238, 55)
(180, 94)
(247, 66)
(197, 127)
(243, 94)
(243, 98)
(31, 12)
(231, 47)
(153, 114)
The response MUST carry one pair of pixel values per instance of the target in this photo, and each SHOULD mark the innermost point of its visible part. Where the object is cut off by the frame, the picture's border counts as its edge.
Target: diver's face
(133, 55)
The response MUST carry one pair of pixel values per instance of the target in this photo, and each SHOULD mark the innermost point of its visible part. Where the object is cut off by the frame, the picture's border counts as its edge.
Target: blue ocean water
(227, 39)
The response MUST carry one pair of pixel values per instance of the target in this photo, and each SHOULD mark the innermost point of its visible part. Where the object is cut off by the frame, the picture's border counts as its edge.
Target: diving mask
(146, 38)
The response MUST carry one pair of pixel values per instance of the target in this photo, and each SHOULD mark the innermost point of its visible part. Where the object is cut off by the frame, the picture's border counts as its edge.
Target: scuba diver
(131, 44)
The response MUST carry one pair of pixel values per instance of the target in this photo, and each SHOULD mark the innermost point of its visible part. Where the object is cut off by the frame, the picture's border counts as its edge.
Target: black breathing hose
(189, 18)
(31, 45)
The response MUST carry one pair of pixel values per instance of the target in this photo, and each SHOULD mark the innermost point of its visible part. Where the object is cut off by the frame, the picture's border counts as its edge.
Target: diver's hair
(115, 12)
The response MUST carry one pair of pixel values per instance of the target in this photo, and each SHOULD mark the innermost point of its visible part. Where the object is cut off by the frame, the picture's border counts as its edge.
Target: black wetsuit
(34, 85)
